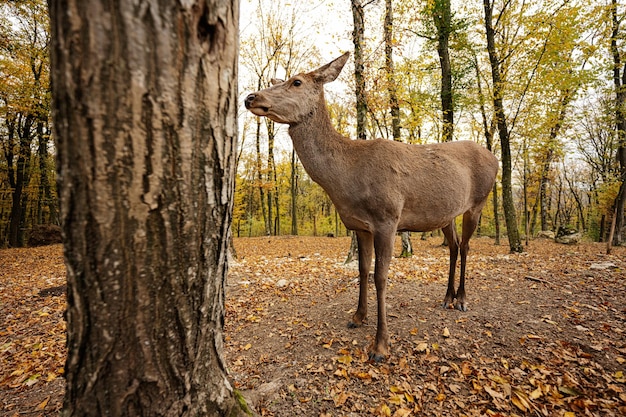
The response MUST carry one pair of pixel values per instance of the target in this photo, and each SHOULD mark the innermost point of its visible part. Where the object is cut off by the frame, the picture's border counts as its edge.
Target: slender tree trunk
(394, 107)
(488, 130)
(544, 182)
(543, 189)
(272, 192)
(260, 178)
(20, 180)
(294, 193)
(441, 14)
(145, 117)
(46, 207)
(358, 38)
(508, 204)
(619, 81)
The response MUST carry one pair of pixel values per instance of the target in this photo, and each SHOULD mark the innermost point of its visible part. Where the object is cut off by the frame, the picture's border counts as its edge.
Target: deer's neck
(320, 147)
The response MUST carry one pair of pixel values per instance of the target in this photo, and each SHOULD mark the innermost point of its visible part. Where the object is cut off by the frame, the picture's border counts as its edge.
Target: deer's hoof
(461, 306)
(376, 357)
(447, 304)
(353, 325)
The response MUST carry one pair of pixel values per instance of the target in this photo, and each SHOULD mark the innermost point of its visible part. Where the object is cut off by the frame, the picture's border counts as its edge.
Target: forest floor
(544, 334)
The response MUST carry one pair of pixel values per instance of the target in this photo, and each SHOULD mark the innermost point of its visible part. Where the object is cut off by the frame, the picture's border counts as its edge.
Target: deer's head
(293, 100)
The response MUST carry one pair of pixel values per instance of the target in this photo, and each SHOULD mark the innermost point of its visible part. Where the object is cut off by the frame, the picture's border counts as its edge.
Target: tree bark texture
(145, 100)
(19, 177)
(394, 106)
(619, 81)
(442, 17)
(488, 129)
(294, 192)
(508, 204)
(358, 38)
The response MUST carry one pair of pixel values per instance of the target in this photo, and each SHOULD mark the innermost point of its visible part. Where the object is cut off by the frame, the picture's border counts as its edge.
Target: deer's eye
(297, 83)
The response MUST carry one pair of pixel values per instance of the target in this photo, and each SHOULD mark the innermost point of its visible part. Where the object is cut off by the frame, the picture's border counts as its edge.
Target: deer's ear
(275, 81)
(330, 71)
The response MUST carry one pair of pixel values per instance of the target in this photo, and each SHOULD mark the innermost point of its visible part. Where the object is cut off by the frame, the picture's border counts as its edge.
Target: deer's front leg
(383, 244)
(453, 243)
(365, 244)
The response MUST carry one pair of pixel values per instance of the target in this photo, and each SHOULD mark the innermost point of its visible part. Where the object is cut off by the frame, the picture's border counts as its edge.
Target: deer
(380, 186)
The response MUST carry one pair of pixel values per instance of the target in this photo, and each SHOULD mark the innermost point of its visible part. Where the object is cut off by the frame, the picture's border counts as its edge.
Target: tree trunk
(46, 204)
(260, 179)
(294, 193)
(358, 38)
(488, 129)
(543, 189)
(19, 179)
(394, 107)
(441, 14)
(508, 204)
(272, 192)
(145, 118)
(619, 81)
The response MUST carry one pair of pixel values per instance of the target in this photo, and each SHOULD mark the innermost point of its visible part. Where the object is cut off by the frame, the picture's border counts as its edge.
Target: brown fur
(382, 186)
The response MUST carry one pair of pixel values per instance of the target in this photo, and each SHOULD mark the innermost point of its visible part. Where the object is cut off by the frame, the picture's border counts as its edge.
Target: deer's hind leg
(365, 242)
(470, 222)
(453, 243)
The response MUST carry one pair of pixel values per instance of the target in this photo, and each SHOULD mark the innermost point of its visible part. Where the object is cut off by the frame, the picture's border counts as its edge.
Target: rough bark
(508, 204)
(145, 107)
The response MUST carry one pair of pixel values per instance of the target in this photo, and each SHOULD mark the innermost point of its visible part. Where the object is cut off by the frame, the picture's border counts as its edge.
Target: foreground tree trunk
(145, 101)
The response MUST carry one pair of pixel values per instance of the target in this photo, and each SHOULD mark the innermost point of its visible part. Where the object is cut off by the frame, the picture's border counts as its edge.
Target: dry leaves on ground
(544, 334)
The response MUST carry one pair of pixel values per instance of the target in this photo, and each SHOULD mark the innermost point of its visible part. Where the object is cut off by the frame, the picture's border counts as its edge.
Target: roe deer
(382, 186)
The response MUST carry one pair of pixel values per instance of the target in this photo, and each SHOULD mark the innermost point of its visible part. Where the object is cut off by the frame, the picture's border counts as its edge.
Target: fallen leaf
(537, 393)
(341, 398)
(494, 393)
(421, 347)
(401, 412)
(396, 399)
(43, 404)
(569, 391)
(345, 359)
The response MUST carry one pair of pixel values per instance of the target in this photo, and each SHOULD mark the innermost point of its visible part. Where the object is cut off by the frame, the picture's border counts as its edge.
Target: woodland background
(425, 72)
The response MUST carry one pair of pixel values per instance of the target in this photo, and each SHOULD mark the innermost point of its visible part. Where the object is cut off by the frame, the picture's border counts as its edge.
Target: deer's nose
(248, 101)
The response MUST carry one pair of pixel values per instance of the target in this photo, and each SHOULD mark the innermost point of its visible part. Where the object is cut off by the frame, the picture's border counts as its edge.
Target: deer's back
(423, 185)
